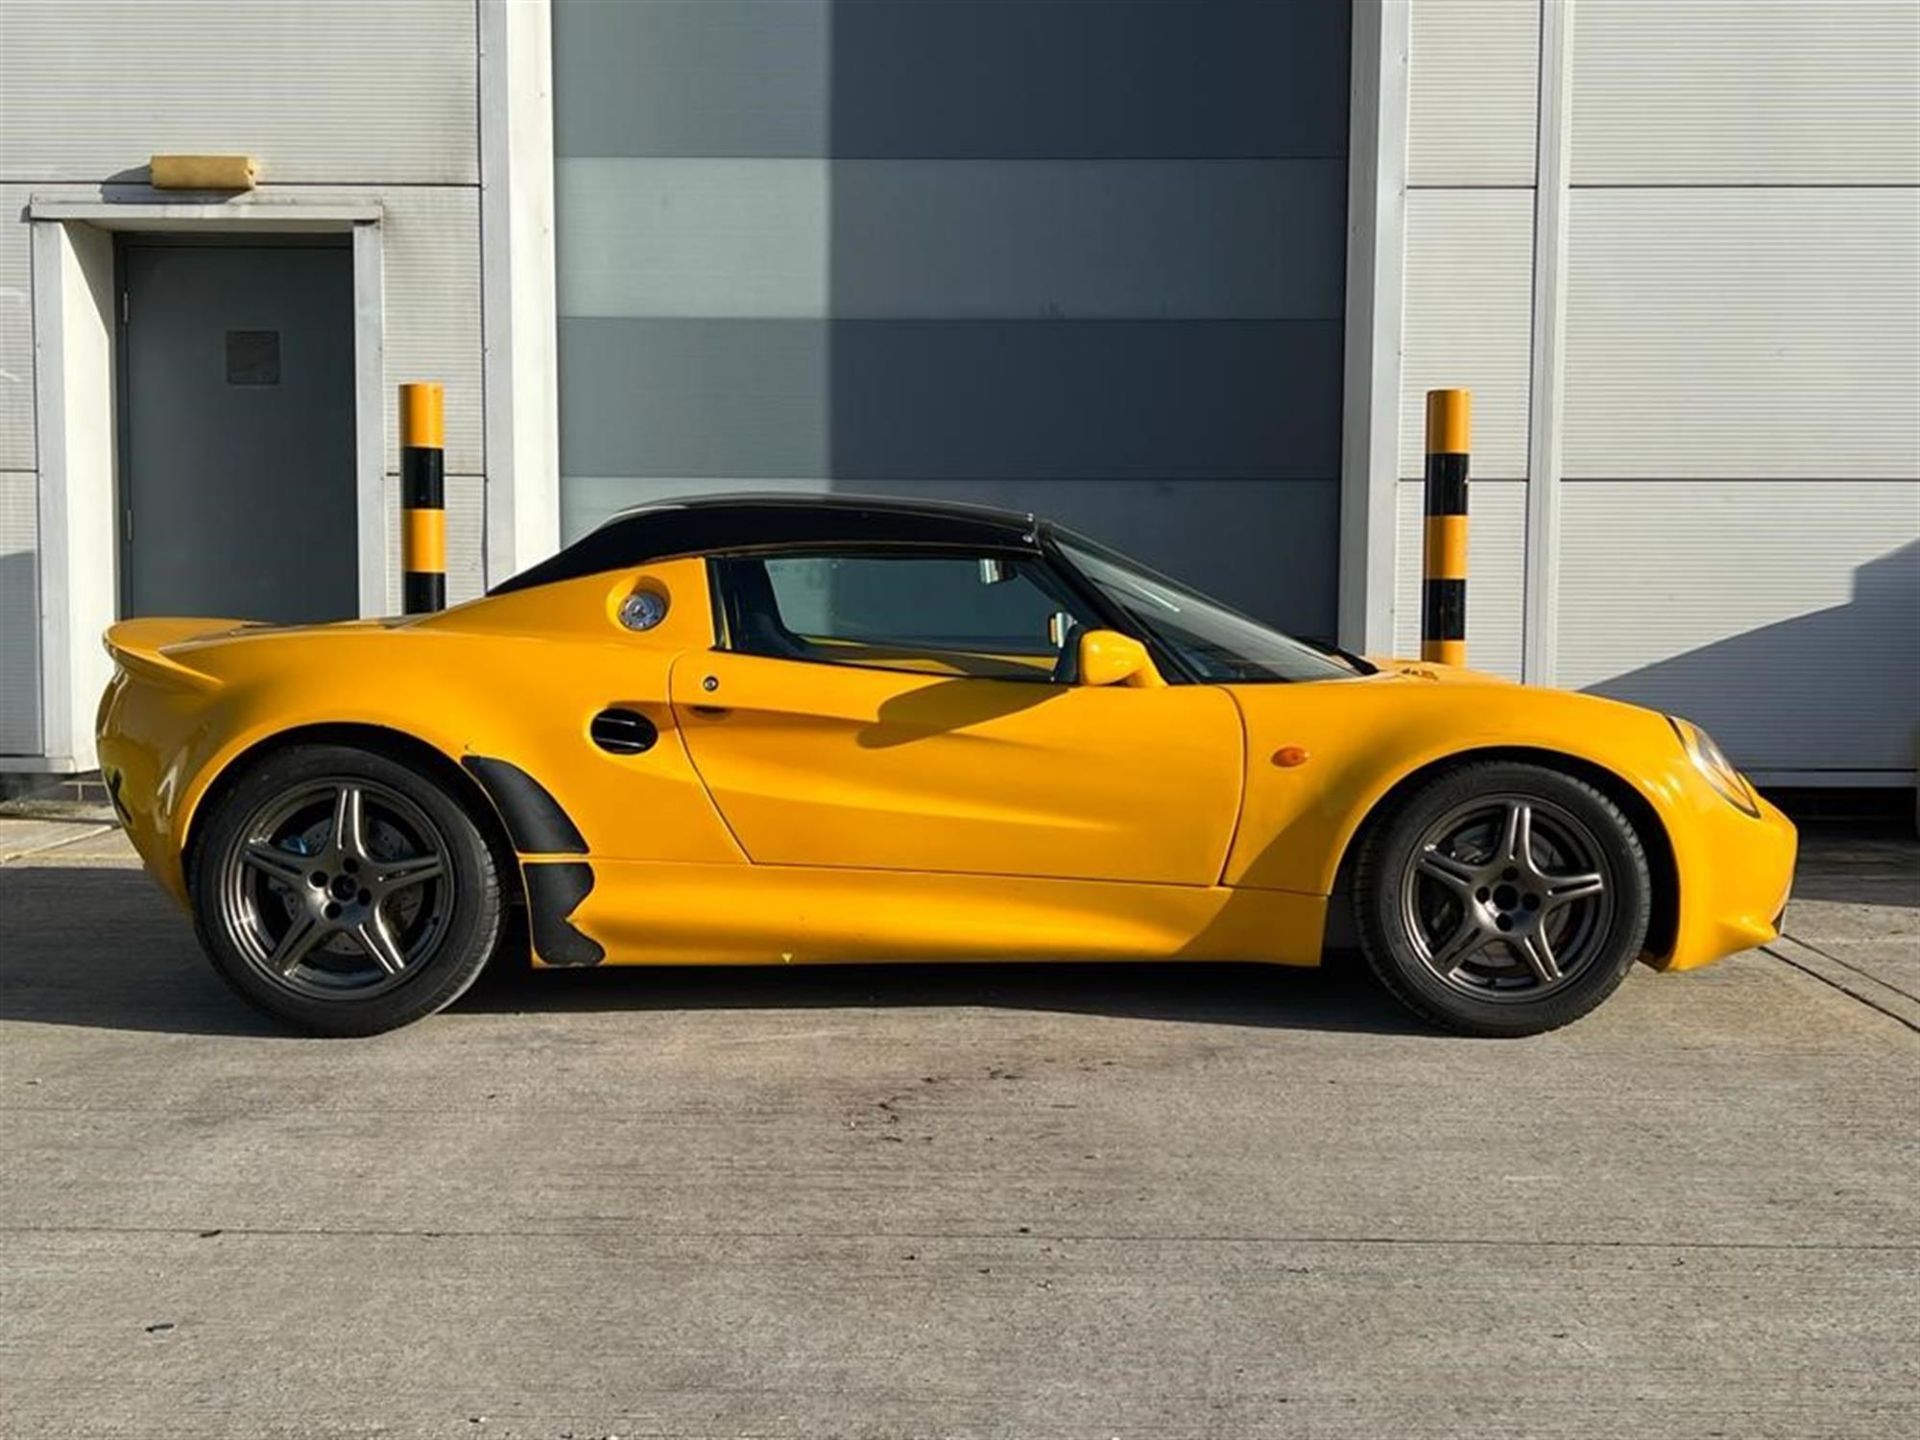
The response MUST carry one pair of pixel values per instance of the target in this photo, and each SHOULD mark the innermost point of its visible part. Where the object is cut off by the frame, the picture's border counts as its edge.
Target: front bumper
(1735, 874)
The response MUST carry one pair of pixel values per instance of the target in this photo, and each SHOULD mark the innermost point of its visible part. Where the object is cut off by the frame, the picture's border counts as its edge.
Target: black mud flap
(555, 889)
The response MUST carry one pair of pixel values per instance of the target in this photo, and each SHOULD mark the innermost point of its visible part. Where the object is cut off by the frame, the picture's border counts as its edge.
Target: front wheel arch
(1663, 922)
(395, 745)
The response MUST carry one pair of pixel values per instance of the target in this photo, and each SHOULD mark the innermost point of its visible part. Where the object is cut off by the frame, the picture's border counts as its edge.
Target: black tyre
(340, 891)
(1502, 899)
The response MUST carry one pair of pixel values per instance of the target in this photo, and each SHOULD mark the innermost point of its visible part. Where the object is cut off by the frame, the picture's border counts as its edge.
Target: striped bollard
(423, 497)
(1443, 596)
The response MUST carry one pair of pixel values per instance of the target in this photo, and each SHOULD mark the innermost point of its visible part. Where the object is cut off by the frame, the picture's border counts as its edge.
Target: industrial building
(1178, 272)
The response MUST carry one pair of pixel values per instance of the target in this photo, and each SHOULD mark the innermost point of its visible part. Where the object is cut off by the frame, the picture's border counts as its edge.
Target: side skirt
(663, 913)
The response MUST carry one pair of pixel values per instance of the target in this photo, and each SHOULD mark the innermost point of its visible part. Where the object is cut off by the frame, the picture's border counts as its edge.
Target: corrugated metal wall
(1467, 316)
(1740, 479)
(355, 97)
(19, 489)
(1080, 257)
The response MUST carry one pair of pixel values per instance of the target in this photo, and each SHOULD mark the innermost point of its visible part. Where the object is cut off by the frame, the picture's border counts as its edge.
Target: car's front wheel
(1503, 898)
(341, 892)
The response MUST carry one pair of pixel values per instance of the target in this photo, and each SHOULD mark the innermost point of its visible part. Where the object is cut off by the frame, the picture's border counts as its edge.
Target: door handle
(710, 683)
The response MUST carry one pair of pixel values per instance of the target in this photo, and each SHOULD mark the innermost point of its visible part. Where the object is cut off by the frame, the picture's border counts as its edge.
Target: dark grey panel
(694, 397)
(1268, 547)
(237, 477)
(952, 78)
(1206, 239)
(950, 399)
(722, 77)
(974, 239)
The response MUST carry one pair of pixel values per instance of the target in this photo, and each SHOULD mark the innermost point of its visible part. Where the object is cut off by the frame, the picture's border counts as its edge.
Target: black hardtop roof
(709, 523)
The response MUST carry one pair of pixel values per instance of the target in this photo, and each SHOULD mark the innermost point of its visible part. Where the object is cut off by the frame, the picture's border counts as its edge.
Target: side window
(1000, 618)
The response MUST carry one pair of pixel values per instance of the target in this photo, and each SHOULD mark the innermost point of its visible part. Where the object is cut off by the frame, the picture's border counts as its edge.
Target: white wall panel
(1467, 320)
(1496, 572)
(353, 98)
(1473, 92)
(431, 245)
(1784, 616)
(16, 332)
(1743, 334)
(1759, 92)
(19, 614)
(351, 91)
(466, 530)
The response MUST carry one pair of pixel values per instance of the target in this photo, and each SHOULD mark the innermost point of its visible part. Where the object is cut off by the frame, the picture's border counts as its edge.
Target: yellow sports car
(782, 730)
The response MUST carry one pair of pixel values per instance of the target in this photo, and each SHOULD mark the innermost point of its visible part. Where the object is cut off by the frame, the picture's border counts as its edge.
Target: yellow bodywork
(794, 811)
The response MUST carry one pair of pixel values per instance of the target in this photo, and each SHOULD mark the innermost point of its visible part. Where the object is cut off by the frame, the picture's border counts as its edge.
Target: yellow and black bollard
(1443, 599)
(423, 497)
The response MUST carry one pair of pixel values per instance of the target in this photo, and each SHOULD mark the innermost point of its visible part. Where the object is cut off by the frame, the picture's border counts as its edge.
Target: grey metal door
(237, 446)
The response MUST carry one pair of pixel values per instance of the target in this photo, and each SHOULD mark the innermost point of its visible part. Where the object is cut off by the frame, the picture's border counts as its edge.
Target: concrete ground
(1024, 1201)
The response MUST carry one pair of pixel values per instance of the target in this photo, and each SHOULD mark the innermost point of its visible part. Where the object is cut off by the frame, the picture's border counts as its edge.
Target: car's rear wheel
(1503, 899)
(341, 892)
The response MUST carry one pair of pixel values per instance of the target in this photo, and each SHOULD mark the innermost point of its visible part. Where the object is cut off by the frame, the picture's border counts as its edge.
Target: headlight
(1711, 762)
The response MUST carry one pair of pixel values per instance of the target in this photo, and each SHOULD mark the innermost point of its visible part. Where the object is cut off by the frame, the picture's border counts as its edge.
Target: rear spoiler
(141, 647)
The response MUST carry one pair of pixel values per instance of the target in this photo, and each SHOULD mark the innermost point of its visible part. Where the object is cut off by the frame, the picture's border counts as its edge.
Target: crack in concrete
(1840, 960)
(8, 857)
(325, 1232)
(1869, 1001)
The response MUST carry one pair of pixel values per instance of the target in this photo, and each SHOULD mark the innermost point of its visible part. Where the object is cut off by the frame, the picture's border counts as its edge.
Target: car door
(899, 712)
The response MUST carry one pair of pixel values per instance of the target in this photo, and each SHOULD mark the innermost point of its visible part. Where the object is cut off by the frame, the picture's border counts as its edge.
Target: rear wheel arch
(1663, 923)
(396, 745)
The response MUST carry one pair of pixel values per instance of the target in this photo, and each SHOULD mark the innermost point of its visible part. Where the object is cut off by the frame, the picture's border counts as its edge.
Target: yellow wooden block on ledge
(203, 172)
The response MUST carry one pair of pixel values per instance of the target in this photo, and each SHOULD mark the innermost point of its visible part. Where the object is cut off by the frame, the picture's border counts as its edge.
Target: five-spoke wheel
(1503, 898)
(336, 887)
(1506, 897)
(340, 890)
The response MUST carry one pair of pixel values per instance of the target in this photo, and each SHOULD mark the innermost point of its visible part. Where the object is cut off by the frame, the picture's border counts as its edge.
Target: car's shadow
(104, 949)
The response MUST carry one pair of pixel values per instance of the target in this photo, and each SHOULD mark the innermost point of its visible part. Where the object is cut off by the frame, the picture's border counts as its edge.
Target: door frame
(77, 357)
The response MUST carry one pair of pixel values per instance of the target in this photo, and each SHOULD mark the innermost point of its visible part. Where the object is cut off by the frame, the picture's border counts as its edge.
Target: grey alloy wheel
(338, 888)
(1507, 897)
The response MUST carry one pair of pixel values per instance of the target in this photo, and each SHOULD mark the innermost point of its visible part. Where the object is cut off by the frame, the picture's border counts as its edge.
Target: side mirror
(1109, 658)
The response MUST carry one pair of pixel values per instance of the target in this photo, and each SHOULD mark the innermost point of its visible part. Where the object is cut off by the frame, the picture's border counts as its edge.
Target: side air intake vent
(623, 732)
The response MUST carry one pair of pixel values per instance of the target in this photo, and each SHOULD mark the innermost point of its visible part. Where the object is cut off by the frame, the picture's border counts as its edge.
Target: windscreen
(1216, 642)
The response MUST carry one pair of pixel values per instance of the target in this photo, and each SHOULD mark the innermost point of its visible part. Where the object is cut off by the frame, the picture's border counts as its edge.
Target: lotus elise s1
(778, 730)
